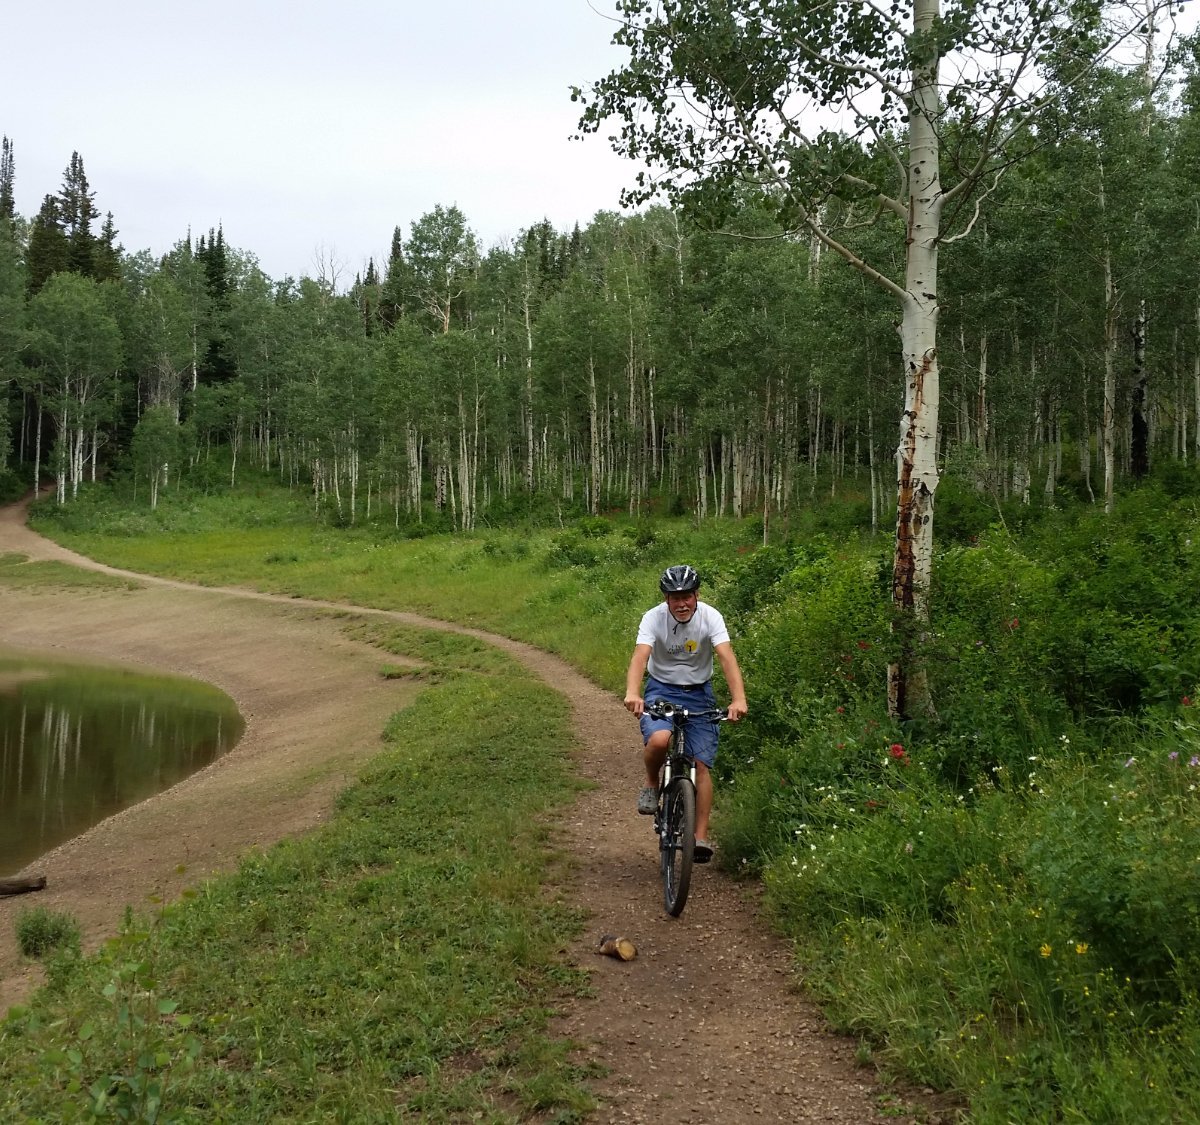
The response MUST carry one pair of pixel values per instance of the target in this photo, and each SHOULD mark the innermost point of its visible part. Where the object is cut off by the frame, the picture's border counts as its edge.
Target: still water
(79, 743)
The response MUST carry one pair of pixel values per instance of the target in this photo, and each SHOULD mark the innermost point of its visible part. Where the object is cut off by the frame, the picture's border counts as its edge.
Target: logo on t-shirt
(690, 646)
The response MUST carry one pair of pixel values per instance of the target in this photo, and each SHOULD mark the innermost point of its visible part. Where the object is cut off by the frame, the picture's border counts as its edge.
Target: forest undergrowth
(1000, 900)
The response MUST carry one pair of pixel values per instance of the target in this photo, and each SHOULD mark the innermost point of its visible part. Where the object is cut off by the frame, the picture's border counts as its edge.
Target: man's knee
(659, 740)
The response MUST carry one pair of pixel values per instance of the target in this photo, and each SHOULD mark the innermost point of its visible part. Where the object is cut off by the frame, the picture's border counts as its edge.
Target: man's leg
(704, 796)
(655, 754)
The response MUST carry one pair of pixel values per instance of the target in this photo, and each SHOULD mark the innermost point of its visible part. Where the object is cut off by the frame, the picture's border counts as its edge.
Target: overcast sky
(310, 127)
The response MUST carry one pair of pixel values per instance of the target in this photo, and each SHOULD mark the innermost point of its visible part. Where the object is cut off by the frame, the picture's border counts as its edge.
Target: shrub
(41, 931)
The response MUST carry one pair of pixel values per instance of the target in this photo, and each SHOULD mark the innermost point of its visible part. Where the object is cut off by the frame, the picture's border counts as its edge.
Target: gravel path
(705, 1025)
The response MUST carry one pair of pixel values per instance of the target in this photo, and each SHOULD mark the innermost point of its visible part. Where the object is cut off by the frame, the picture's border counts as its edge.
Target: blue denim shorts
(701, 733)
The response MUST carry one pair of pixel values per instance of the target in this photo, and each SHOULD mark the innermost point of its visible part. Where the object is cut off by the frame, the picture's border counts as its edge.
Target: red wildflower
(897, 751)
(842, 710)
(1014, 623)
(1186, 701)
(863, 645)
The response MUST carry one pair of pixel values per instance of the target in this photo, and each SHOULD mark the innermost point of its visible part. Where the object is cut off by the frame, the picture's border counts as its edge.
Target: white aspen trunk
(1141, 435)
(916, 455)
(726, 482)
(736, 456)
(1179, 428)
(871, 468)
(1108, 420)
(981, 403)
(1195, 385)
(594, 421)
(814, 433)
(60, 460)
(529, 445)
(464, 467)
(37, 439)
(962, 409)
(337, 483)
(78, 459)
(651, 423)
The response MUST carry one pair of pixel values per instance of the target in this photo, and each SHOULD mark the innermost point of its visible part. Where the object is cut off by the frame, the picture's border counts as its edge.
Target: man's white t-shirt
(682, 653)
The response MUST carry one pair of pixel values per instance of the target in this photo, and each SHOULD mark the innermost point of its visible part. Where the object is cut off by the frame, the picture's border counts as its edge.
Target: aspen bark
(594, 416)
(916, 455)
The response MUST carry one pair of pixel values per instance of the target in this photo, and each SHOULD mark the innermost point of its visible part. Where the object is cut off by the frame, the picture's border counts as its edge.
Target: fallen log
(19, 886)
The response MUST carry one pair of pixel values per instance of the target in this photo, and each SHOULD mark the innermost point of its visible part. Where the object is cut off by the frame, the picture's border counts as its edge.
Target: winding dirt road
(712, 988)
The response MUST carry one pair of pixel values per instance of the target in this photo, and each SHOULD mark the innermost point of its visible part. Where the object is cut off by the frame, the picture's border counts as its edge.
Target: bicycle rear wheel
(677, 843)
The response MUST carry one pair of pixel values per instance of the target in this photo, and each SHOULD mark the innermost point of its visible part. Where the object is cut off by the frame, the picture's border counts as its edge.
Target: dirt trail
(704, 1026)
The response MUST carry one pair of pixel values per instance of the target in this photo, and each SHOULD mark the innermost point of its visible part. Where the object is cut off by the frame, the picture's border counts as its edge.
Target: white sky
(310, 128)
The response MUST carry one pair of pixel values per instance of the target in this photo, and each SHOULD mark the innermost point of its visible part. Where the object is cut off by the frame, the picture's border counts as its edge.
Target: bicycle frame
(675, 817)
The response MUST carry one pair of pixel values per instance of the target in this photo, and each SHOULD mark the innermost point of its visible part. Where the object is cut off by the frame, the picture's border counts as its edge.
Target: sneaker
(702, 852)
(648, 801)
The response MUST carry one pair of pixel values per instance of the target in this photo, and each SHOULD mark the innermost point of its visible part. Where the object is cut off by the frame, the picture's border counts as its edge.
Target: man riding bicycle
(676, 642)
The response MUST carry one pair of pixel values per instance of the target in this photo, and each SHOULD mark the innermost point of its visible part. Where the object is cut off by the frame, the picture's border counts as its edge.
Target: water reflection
(78, 743)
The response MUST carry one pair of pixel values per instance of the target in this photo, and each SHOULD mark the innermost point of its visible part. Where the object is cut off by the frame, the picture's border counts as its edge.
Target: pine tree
(366, 294)
(7, 202)
(218, 366)
(77, 209)
(395, 283)
(49, 251)
(106, 261)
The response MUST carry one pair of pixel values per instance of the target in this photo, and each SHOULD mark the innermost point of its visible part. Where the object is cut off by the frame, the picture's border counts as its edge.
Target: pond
(81, 742)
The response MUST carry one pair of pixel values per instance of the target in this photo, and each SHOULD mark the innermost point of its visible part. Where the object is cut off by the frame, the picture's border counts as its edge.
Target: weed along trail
(704, 1025)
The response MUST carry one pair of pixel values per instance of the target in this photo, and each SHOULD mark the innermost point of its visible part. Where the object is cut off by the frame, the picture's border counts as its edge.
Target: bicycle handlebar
(662, 709)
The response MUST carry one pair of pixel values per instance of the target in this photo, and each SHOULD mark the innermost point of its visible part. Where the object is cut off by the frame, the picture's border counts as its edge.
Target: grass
(41, 932)
(985, 915)
(550, 588)
(18, 572)
(402, 961)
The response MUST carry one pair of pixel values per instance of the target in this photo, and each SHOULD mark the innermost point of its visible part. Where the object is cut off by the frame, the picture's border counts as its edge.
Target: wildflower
(863, 645)
(897, 751)
(1081, 947)
(1186, 701)
(1046, 950)
(1129, 762)
(1173, 756)
(841, 710)
(1194, 760)
(908, 848)
(1014, 623)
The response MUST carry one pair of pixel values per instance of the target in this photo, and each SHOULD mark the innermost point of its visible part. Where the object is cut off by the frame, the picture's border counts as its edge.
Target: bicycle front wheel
(677, 843)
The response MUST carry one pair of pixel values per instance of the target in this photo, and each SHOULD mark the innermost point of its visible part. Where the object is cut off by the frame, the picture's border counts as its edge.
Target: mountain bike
(675, 817)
